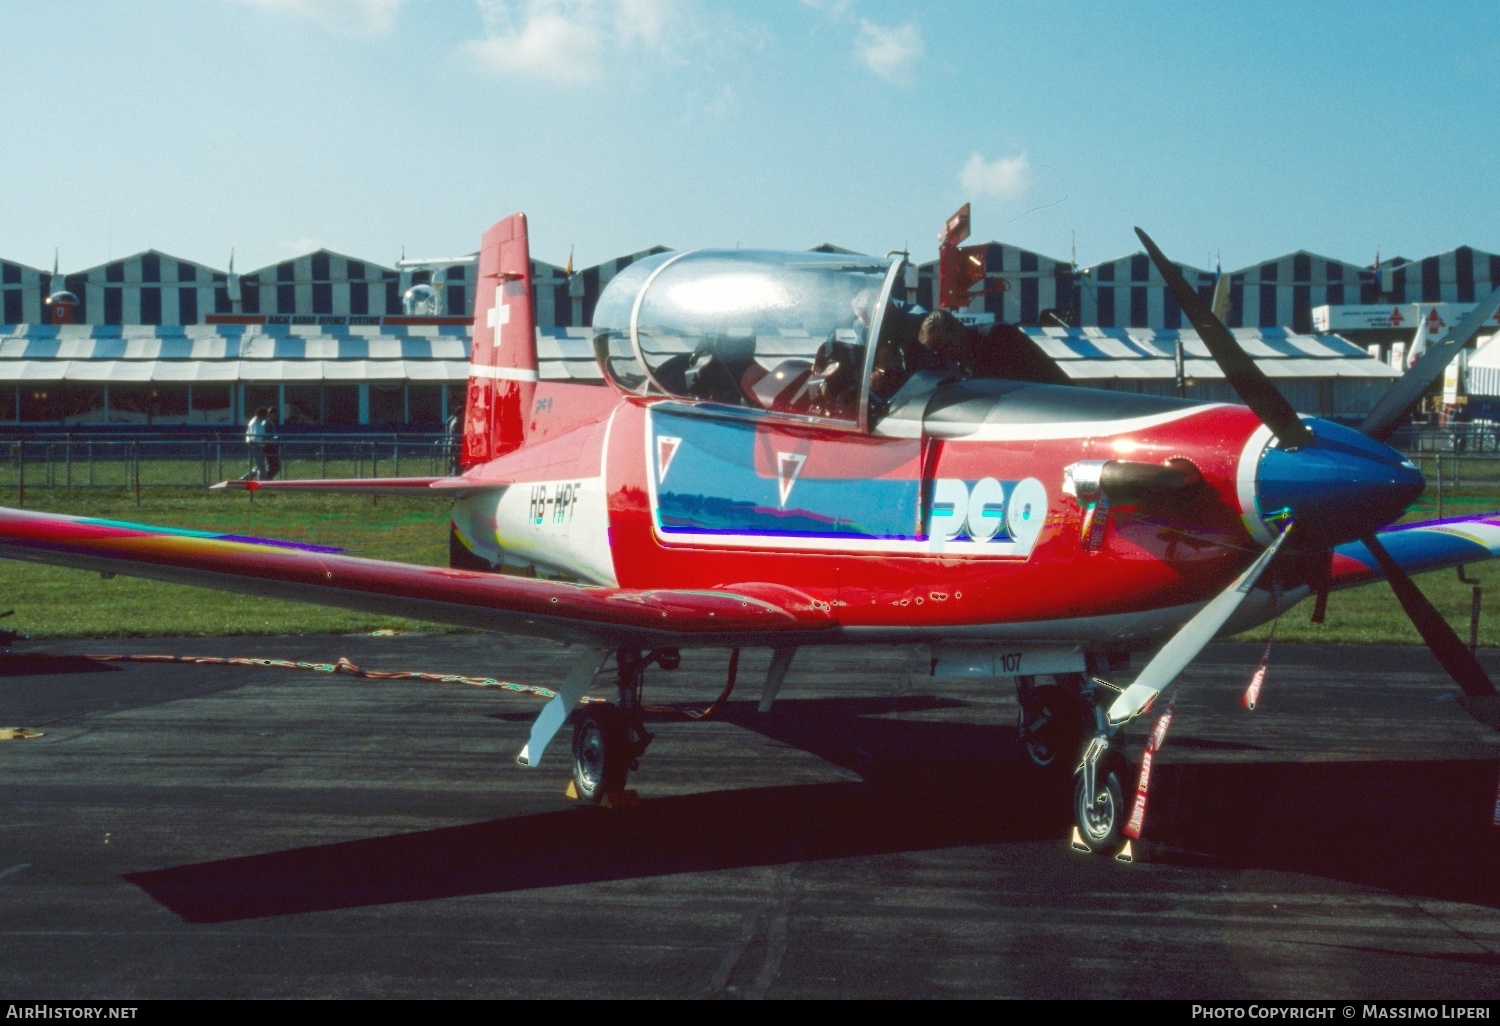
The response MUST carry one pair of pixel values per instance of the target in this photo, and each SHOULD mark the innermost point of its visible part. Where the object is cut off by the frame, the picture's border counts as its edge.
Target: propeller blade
(1408, 390)
(1248, 380)
(1441, 638)
(1183, 647)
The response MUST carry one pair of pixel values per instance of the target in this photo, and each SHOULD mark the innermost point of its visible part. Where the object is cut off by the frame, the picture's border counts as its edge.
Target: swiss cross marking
(499, 314)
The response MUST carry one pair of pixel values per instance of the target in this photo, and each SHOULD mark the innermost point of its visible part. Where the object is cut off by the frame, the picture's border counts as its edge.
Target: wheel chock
(626, 799)
(572, 791)
(1125, 854)
(1076, 842)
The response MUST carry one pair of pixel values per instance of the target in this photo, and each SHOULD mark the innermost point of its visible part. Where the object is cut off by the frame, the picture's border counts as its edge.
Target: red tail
(502, 361)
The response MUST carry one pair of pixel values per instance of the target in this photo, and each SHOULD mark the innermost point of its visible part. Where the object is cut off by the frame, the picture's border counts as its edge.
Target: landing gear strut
(1099, 811)
(608, 739)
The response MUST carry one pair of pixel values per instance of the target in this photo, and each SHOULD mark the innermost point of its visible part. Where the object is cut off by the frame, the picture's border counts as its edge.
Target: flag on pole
(1220, 302)
(1419, 341)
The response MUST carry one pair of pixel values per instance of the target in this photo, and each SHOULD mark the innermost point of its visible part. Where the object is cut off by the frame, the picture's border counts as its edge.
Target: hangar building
(336, 341)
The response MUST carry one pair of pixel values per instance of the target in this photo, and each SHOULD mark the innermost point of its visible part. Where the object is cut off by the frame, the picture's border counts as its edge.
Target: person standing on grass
(272, 448)
(255, 438)
(452, 439)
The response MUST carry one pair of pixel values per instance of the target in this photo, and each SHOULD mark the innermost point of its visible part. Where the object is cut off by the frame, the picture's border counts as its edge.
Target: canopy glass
(766, 330)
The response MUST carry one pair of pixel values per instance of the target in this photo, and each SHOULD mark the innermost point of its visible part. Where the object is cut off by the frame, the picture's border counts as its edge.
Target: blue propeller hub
(1341, 486)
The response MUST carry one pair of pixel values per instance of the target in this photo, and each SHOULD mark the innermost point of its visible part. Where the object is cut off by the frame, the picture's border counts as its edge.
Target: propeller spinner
(1333, 483)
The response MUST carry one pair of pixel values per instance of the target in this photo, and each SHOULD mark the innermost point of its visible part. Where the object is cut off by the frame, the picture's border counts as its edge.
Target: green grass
(51, 602)
(118, 471)
(56, 603)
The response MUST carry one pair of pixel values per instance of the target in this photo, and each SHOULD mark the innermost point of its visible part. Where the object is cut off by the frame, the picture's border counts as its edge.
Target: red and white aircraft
(776, 460)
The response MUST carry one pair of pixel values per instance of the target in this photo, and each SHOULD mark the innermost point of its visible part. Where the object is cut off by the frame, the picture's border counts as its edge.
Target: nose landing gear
(1099, 811)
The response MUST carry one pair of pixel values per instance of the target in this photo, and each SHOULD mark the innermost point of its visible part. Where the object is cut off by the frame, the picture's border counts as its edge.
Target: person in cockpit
(941, 345)
(888, 374)
(833, 389)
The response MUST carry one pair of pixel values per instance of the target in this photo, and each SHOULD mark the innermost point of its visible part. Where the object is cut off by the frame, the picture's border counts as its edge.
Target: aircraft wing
(436, 487)
(1420, 547)
(742, 614)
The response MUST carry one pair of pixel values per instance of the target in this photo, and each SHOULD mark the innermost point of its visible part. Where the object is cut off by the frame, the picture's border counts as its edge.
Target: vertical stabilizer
(502, 361)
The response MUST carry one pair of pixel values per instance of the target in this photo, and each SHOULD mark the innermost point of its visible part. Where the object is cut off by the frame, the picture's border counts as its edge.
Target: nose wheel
(1100, 816)
(1099, 810)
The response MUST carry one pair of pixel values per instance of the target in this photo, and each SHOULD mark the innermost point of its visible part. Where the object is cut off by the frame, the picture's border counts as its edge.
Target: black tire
(1054, 749)
(601, 759)
(1100, 823)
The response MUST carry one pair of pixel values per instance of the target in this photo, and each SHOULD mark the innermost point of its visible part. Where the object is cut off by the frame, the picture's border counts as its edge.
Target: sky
(375, 127)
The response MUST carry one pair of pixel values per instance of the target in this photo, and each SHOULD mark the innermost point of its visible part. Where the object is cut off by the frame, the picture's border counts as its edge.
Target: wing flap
(436, 594)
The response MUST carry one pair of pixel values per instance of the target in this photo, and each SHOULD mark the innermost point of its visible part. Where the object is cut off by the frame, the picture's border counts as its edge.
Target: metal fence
(157, 462)
(1478, 436)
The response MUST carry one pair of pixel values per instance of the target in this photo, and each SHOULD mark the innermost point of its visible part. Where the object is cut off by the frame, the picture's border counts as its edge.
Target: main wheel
(1051, 728)
(1101, 817)
(601, 760)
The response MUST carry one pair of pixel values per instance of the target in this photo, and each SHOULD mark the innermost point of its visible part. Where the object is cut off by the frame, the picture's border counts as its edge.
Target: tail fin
(502, 359)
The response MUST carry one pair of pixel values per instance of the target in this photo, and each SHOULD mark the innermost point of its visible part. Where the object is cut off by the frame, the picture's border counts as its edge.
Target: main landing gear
(1054, 719)
(608, 740)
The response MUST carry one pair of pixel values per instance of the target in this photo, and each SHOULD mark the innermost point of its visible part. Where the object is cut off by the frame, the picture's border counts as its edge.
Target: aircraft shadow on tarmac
(1419, 828)
(39, 664)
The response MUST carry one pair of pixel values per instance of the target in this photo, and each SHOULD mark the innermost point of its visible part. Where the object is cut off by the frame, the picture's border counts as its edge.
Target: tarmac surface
(191, 831)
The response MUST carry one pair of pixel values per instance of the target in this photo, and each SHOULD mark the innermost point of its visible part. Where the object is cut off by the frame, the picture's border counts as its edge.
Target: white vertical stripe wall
(1117, 281)
(1020, 286)
(585, 285)
(549, 283)
(22, 290)
(150, 273)
(1273, 293)
(1462, 275)
(345, 286)
(1011, 274)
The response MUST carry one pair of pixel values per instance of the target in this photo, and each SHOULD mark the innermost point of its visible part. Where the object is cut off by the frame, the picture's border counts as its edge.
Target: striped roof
(1095, 353)
(233, 352)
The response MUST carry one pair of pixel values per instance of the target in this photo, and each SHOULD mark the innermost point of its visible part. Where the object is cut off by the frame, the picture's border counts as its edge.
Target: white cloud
(889, 52)
(1004, 178)
(570, 41)
(355, 17)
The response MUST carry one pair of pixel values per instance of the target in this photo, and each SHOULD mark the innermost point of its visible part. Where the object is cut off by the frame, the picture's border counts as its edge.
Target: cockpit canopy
(766, 330)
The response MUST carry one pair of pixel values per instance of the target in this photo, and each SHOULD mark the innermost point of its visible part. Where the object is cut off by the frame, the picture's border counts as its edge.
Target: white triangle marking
(666, 448)
(788, 466)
